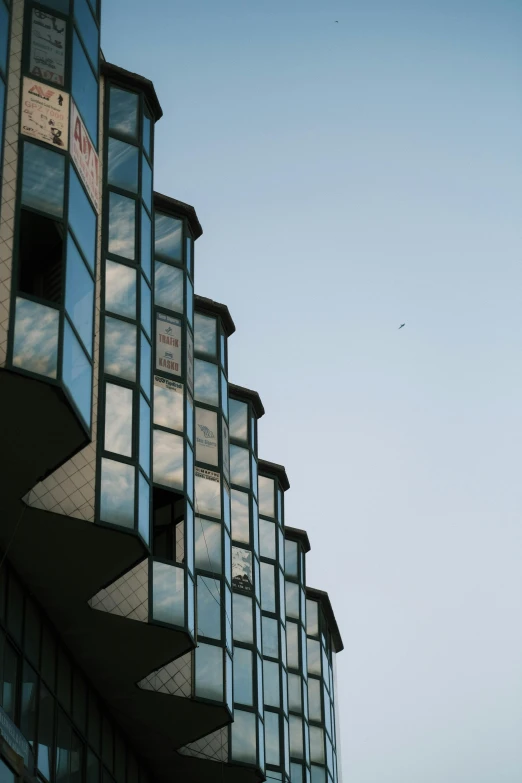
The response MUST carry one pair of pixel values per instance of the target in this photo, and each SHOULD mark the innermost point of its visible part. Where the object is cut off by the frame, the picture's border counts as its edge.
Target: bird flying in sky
(400, 327)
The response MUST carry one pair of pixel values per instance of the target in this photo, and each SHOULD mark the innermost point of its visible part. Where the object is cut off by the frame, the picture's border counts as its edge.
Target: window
(43, 180)
(122, 168)
(85, 89)
(123, 113)
(122, 226)
(79, 294)
(82, 219)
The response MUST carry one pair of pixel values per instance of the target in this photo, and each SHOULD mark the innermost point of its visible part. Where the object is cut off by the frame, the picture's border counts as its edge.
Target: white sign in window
(206, 436)
(45, 113)
(168, 344)
(48, 35)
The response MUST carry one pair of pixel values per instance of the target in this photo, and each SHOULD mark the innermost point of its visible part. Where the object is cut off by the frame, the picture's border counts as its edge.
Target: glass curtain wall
(213, 655)
(56, 215)
(297, 660)
(173, 589)
(320, 696)
(70, 733)
(251, 588)
(124, 471)
(275, 675)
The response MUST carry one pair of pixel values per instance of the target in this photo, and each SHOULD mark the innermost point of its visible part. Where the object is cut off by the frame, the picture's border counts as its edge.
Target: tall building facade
(155, 618)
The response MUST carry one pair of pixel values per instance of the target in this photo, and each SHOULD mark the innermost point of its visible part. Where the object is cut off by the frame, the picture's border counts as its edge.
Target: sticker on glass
(85, 157)
(47, 59)
(168, 344)
(206, 436)
(45, 113)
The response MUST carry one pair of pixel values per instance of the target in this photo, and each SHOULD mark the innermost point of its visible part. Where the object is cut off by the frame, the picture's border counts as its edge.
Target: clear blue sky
(350, 177)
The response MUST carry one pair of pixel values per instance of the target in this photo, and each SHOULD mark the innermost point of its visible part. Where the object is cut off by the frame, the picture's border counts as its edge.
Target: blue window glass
(209, 607)
(85, 89)
(206, 382)
(190, 473)
(122, 167)
(144, 509)
(43, 180)
(123, 112)
(119, 403)
(243, 686)
(79, 294)
(117, 493)
(147, 125)
(190, 302)
(244, 744)
(189, 538)
(145, 365)
(146, 183)
(168, 232)
(144, 435)
(77, 373)
(36, 338)
(120, 348)
(59, 5)
(120, 289)
(146, 306)
(88, 30)
(272, 739)
(82, 219)
(168, 594)
(146, 242)
(4, 30)
(191, 619)
(122, 226)
(204, 334)
(168, 287)
(188, 254)
(209, 672)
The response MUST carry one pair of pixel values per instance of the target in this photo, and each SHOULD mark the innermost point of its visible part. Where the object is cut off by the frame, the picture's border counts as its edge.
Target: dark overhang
(247, 394)
(279, 470)
(168, 204)
(296, 534)
(324, 599)
(202, 303)
(135, 82)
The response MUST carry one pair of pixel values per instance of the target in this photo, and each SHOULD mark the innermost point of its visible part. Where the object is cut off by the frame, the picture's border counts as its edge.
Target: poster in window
(206, 436)
(48, 37)
(168, 344)
(45, 113)
(85, 157)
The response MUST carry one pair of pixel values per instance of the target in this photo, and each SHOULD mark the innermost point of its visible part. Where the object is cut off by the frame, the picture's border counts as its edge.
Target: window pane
(206, 436)
(79, 294)
(267, 543)
(243, 689)
(242, 569)
(313, 650)
(122, 167)
(120, 349)
(146, 242)
(28, 706)
(123, 112)
(295, 696)
(239, 466)
(314, 699)
(270, 637)
(168, 403)
(146, 306)
(291, 558)
(146, 183)
(168, 459)
(168, 594)
(147, 134)
(244, 737)
(144, 509)
(208, 492)
(36, 338)
(82, 219)
(144, 435)
(168, 287)
(85, 89)
(208, 545)
(117, 493)
(272, 740)
(205, 335)
(238, 420)
(188, 254)
(77, 373)
(292, 645)
(145, 365)
(45, 732)
(317, 744)
(10, 680)
(120, 289)
(267, 587)
(243, 619)
(122, 226)
(43, 180)
(240, 516)
(209, 607)
(296, 736)
(292, 600)
(206, 382)
(266, 496)
(312, 618)
(88, 29)
(58, 5)
(209, 672)
(271, 682)
(168, 232)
